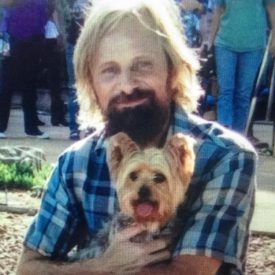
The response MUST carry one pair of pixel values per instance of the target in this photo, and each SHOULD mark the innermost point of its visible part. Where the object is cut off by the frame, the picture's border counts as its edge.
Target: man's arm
(271, 14)
(32, 262)
(121, 257)
(186, 265)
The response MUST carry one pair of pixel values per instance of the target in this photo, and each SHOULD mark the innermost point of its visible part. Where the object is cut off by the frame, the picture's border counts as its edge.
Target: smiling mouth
(132, 103)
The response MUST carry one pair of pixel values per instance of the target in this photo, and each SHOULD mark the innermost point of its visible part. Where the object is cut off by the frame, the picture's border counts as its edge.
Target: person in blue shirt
(239, 34)
(135, 74)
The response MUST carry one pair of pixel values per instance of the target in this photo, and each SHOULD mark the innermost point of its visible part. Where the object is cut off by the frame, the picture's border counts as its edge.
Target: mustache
(136, 94)
(142, 123)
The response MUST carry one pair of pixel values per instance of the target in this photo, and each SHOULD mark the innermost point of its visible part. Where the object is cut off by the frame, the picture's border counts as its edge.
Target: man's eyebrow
(107, 63)
(137, 58)
(142, 57)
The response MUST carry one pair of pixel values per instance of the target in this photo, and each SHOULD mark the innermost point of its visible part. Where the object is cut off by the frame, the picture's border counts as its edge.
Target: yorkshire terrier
(151, 184)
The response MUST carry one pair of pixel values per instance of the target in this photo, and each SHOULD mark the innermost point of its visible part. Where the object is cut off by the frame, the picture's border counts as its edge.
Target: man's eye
(159, 178)
(143, 66)
(109, 70)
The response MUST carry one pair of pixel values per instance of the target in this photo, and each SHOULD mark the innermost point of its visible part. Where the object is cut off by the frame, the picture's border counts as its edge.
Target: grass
(23, 175)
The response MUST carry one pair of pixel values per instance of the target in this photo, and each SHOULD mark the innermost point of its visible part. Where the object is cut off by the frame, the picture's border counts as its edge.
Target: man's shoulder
(86, 149)
(219, 152)
(211, 134)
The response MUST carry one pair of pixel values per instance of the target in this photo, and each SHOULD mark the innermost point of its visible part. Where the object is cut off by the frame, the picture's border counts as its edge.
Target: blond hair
(163, 19)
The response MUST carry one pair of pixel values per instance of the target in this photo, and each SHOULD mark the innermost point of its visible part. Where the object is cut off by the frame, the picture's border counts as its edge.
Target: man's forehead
(130, 32)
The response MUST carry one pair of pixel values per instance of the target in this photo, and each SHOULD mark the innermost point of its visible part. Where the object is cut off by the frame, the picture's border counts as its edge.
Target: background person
(71, 15)
(239, 31)
(25, 26)
(52, 59)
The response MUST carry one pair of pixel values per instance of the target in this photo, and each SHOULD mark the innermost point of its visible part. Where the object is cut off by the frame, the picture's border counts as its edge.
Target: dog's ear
(179, 151)
(119, 146)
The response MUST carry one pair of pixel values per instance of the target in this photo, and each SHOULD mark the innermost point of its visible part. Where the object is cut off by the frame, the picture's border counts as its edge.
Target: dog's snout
(144, 192)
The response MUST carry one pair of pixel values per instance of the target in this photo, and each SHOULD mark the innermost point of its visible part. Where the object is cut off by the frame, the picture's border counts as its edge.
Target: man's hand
(126, 257)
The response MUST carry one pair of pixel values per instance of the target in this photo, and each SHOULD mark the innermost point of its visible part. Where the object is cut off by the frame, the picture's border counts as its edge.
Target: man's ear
(172, 84)
(179, 151)
(120, 145)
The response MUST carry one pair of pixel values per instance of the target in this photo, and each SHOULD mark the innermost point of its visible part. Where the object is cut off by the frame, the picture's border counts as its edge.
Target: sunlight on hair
(162, 18)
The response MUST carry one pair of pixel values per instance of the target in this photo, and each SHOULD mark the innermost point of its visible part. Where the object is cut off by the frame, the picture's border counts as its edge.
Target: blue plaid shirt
(219, 205)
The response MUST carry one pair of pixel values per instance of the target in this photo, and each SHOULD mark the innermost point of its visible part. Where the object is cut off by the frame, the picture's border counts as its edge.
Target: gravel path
(261, 252)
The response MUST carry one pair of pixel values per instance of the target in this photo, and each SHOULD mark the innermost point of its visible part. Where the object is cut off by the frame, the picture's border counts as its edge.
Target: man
(135, 73)
(25, 25)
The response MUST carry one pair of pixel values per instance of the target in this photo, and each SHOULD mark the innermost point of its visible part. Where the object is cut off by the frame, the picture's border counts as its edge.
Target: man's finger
(158, 257)
(155, 246)
(130, 232)
(132, 270)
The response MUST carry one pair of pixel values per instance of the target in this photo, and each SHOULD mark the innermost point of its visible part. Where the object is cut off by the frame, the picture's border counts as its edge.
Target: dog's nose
(144, 192)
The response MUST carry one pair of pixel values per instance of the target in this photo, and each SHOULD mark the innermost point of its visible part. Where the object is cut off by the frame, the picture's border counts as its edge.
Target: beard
(143, 123)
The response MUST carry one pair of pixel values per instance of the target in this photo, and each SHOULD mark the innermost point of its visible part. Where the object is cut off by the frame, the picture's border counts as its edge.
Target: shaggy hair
(159, 16)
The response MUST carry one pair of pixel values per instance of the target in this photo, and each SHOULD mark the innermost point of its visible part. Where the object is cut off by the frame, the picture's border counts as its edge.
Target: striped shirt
(218, 209)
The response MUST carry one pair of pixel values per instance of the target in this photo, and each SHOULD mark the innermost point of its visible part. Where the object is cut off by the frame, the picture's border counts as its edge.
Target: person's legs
(53, 63)
(28, 87)
(29, 63)
(11, 77)
(248, 66)
(226, 62)
(5, 94)
(73, 105)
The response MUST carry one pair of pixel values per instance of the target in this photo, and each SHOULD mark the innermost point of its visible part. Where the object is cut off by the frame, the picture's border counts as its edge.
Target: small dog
(151, 184)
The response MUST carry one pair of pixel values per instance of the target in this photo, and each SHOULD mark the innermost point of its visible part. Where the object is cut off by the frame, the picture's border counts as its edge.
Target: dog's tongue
(144, 209)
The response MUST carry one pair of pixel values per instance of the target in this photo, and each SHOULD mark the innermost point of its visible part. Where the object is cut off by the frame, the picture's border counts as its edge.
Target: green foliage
(23, 175)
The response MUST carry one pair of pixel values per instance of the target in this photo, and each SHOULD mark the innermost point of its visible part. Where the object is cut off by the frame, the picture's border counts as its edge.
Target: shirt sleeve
(53, 229)
(217, 222)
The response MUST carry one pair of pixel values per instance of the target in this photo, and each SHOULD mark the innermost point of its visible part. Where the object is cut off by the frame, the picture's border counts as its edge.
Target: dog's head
(151, 183)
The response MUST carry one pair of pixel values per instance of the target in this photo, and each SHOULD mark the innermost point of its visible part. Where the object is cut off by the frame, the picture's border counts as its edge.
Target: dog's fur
(150, 184)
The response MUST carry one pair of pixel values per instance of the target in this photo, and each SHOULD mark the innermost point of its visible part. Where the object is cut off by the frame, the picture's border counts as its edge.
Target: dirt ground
(261, 253)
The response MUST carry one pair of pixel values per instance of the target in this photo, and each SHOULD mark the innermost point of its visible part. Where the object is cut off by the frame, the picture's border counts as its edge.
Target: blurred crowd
(37, 40)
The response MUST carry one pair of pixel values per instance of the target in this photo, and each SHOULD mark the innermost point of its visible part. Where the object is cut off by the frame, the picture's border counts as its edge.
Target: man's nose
(126, 82)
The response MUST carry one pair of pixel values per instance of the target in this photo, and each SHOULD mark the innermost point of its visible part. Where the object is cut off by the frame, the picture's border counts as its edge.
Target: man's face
(130, 76)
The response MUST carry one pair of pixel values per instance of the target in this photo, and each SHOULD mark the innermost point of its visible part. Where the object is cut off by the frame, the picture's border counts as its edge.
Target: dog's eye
(159, 178)
(133, 176)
